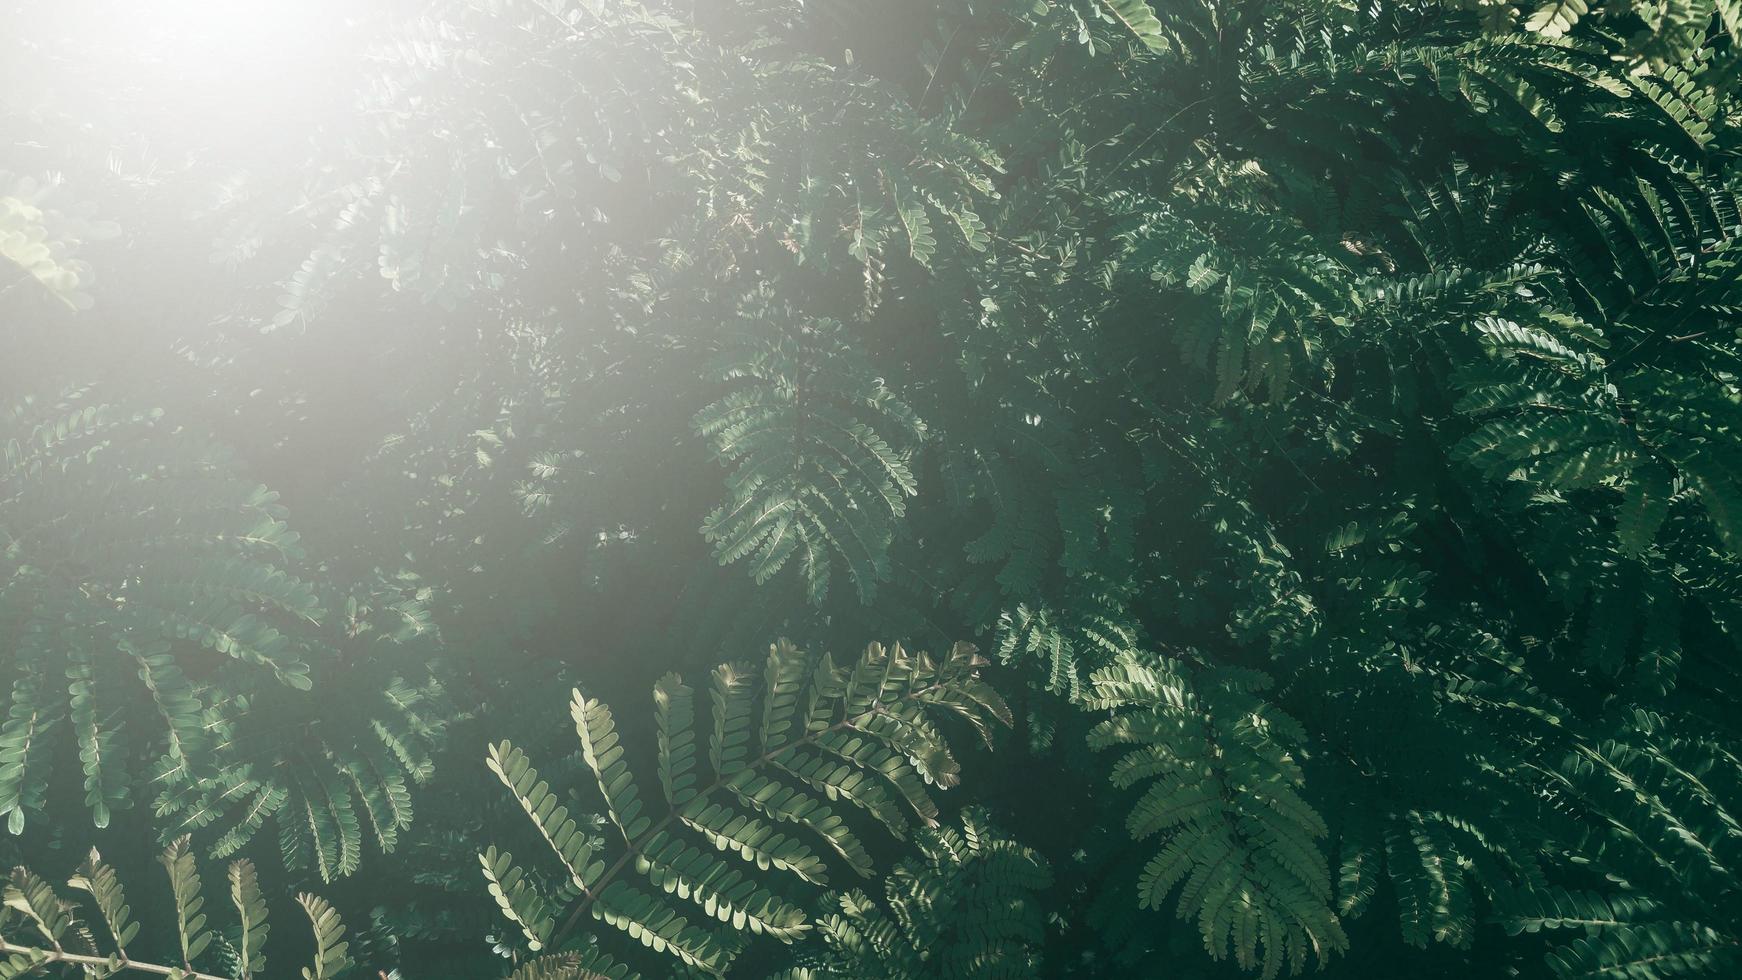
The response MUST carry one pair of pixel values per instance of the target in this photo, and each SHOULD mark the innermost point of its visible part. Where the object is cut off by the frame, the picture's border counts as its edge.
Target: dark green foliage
(1665, 809)
(327, 796)
(1329, 415)
(813, 481)
(1223, 794)
(967, 907)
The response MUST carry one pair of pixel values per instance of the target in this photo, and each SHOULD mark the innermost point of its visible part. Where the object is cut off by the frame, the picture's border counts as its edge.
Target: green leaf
(251, 910)
(1646, 504)
(329, 931)
(184, 883)
(519, 901)
(1556, 18)
(1139, 18)
(105, 889)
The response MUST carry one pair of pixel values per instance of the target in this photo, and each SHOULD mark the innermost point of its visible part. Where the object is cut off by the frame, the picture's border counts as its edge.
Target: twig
(104, 961)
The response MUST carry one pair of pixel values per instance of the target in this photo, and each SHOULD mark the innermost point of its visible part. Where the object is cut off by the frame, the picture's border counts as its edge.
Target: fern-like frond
(872, 718)
(39, 930)
(329, 931)
(1238, 842)
(822, 451)
(967, 907)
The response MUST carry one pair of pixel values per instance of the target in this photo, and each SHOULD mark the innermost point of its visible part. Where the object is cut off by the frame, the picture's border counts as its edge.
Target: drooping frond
(113, 580)
(1223, 793)
(821, 449)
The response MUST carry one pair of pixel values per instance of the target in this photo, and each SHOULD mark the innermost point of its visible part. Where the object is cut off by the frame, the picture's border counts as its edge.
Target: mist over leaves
(1093, 488)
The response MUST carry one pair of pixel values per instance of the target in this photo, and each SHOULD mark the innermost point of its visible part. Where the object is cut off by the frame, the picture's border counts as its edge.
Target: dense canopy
(1094, 488)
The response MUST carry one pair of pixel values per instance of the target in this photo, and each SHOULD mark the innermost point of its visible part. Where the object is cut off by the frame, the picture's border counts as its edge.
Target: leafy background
(1092, 489)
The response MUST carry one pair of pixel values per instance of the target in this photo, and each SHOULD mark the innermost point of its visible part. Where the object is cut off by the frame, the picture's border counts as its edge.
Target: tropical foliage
(49, 933)
(1326, 418)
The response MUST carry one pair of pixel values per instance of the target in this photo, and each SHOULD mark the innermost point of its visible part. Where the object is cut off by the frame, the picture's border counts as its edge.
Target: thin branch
(104, 961)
